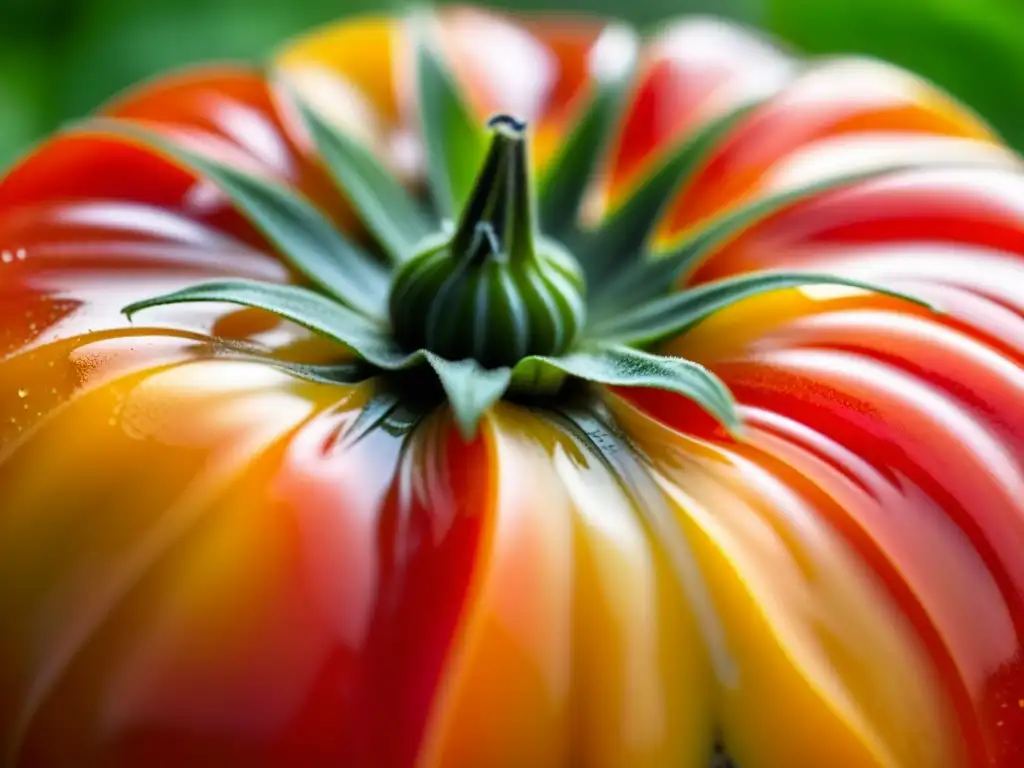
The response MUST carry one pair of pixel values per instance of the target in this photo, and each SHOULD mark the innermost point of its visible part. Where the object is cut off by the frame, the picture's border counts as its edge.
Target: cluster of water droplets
(9, 257)
(34, 403)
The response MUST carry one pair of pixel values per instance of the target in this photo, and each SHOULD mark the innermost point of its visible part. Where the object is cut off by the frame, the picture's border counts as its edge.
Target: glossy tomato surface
(203, 563)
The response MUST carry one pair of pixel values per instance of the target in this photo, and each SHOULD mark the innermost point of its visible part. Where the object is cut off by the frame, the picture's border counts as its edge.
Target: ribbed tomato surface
(201, 566)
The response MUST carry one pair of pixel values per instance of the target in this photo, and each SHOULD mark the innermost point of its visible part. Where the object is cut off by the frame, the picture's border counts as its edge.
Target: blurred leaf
(972, 48)
(643, 13)
(25, 79)
(23, 20)
(121, 42)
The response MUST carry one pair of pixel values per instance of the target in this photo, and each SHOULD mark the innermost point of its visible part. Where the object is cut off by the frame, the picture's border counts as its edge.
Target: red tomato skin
(207, 562)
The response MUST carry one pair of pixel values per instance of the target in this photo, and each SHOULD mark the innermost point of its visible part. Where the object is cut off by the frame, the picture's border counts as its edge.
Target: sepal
(675, 314)
(384, 206)
(624, 234)
(294, 226)
(620, 366)
(453, 139)
(564, 185)
(656, 273)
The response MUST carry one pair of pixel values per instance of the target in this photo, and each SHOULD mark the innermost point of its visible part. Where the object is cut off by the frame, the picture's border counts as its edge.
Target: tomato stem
(496, 290)
(498, 221)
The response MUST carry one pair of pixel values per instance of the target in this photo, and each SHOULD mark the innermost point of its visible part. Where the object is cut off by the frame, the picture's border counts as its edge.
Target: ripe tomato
(208, 557)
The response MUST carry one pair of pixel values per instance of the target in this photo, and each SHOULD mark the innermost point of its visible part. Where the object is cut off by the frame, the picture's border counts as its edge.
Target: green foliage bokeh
(972, 48)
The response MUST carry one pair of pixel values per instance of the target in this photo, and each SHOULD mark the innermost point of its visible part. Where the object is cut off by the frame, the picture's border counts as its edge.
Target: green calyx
(489, 306)
(494, 290)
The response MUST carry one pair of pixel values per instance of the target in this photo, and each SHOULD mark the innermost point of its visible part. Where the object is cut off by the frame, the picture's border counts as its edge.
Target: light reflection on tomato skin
(211, 562)
(273, 612)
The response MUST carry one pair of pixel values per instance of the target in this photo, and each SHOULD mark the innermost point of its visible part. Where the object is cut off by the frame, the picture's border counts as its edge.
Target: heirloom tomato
(457, 389)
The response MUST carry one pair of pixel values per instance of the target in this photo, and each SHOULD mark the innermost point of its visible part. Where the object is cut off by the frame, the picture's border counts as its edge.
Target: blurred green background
(60, 58)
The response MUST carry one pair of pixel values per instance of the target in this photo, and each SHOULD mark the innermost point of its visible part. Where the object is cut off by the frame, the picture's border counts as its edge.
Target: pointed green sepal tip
(471, 390)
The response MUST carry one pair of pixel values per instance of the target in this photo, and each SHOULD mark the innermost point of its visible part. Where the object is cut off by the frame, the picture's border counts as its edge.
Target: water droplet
(6, 257)
(22, 393)
(21, 254)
